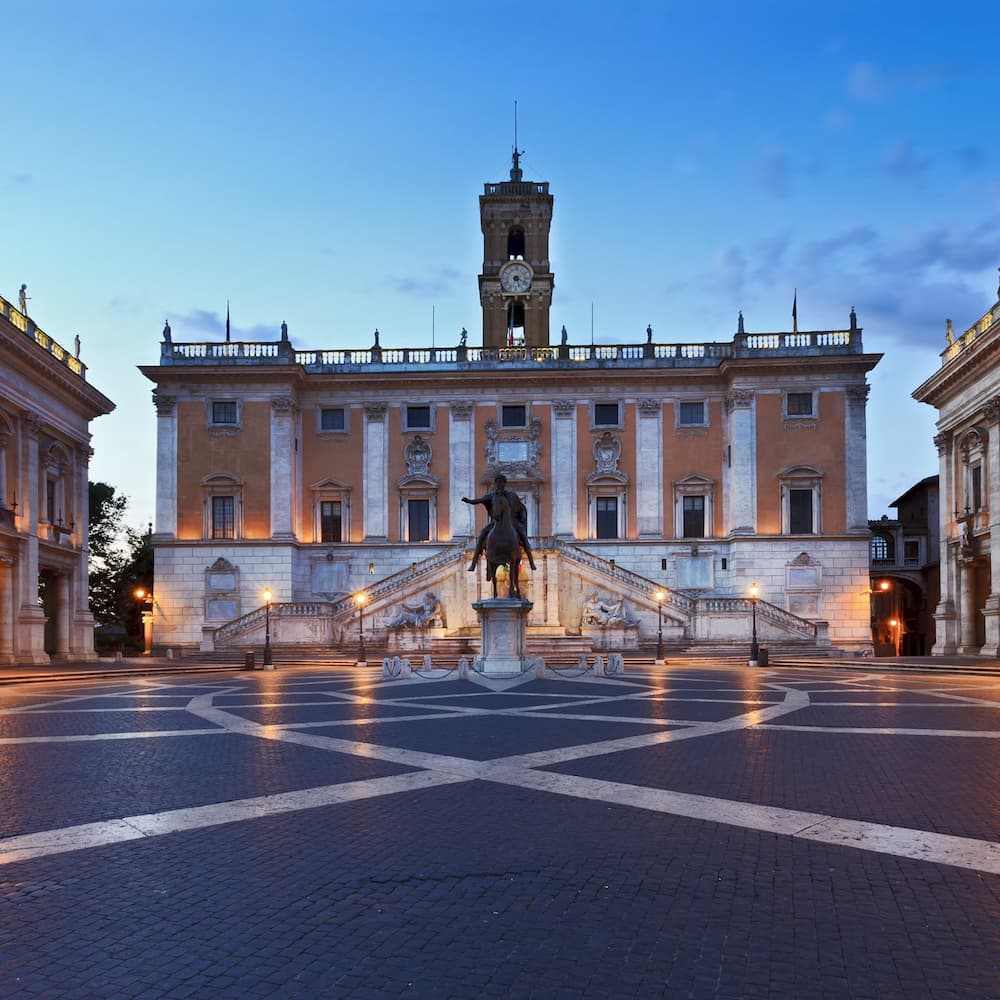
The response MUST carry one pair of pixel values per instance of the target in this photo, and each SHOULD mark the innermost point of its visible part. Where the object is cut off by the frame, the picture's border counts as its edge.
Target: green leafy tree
(121, 559)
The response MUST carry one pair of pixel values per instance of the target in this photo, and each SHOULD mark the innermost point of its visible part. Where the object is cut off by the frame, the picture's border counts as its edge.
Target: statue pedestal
(504, 649)
(613, 637)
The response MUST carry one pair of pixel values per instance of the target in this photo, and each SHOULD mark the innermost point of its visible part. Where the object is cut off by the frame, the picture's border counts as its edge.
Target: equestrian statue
(505, 534)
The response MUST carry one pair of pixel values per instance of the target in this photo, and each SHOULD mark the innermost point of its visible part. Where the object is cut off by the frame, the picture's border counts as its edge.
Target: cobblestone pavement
(698, 830)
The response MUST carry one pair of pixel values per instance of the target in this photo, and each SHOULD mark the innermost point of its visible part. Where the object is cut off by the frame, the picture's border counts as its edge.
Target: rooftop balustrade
(27, 326)
(641, 355)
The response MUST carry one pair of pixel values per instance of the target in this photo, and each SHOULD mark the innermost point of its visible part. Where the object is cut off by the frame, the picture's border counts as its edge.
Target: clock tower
(515, 286)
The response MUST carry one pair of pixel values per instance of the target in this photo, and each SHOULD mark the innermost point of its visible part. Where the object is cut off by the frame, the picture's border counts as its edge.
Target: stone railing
(27, 326)
(388, 584)
(642, 355)
(970, 336)
(639, 584)
(767, 612)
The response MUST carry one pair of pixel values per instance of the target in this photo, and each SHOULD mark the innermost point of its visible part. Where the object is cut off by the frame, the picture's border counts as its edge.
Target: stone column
(81, 641)
(376, 472)
(945, 618)
(461, 470)
(63, 615)
(282, 466)
(30, 617)
(649, 469)
(967, 641)
(991, 610)
(6, 609)
(166, 465)
(564, 472)
(856, 456)
(740, 508)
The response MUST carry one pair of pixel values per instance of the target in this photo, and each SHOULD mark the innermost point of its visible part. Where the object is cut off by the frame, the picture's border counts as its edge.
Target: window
(418, 418)
(694, 517)
(692, 414)
(223, 517)
(222, 496)
(882, 548)
(50, 500)
(418, 515)
(333, 418)
(515, 242)
(801, 501)
(976, 487)
(911, 551)
(224, 411)
(693, 507)
(800, 512)
(799, 404)
(513, 415)
(607, 415)
(606, 517)
(331, 512)
(331, 521)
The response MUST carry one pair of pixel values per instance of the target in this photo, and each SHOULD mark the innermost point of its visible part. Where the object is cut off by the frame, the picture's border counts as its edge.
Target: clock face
(515, 277)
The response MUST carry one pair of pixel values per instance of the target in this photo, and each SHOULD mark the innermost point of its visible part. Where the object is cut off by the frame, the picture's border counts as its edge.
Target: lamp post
(894, 625)
(268, 662)
(360, 599)
(659, 595)
(146, 597)
(754, 648)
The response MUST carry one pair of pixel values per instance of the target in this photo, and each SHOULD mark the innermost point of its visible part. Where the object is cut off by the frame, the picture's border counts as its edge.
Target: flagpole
(795, 311)
(227, 321)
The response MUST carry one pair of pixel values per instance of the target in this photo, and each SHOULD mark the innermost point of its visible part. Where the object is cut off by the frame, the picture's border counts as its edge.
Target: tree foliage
(121, 559)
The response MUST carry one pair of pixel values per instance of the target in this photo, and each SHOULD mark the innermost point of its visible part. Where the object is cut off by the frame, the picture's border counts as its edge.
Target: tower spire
(515, 171)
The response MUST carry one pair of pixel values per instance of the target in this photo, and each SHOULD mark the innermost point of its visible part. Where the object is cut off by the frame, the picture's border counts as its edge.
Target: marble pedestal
(503, 621)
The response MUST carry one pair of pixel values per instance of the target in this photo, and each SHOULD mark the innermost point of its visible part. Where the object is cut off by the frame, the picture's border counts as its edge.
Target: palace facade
(693, 469)
(966, 393)
(46, 405)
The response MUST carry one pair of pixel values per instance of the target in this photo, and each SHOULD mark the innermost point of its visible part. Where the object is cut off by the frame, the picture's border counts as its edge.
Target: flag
(795, 311)
(227, 321)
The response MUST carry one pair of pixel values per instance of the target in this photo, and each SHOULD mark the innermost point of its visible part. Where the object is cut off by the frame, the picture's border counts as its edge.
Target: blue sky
(320, 163)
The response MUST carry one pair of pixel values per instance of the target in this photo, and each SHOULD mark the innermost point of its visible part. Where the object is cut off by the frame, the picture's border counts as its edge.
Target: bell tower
(515, 286)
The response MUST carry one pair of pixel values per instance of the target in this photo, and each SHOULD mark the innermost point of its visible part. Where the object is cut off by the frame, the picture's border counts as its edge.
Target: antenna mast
(515, 171)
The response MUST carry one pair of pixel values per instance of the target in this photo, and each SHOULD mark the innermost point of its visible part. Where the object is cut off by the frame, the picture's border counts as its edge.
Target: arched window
(515, 242)
(882, 548)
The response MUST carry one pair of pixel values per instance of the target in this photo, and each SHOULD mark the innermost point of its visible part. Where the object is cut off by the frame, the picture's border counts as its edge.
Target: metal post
(362, 659)
(659, 632)
(754, 648)
(268, 663)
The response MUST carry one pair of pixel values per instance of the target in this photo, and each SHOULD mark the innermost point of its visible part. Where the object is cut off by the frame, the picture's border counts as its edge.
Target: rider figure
(518, 514)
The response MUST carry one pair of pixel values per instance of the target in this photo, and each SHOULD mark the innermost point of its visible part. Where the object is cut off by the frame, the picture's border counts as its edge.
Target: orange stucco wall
(819, 444)
(245, 455)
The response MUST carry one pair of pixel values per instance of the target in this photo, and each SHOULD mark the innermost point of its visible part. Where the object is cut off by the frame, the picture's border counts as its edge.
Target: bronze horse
(503, 548)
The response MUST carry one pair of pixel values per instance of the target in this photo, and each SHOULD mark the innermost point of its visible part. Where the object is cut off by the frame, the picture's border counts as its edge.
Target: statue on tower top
(515, 171)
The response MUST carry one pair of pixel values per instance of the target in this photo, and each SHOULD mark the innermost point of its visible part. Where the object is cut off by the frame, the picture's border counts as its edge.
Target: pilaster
(166, 465)
(282, 466)
(564, 471)
(649, 469)
(742, 464)
(376, 472)
(461, 469)
(855, 458)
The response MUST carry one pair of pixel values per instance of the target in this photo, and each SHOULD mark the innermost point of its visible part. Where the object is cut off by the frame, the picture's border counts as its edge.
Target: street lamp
(894, 625)
(659, 595)
(360, 598)
(754, 648)
(146, 612)
(268, 663)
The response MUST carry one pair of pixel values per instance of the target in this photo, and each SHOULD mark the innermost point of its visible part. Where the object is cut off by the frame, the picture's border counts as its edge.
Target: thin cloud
(772, 171)
(972, 158)
(206, 321)
(903, 161)
(426, 287)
